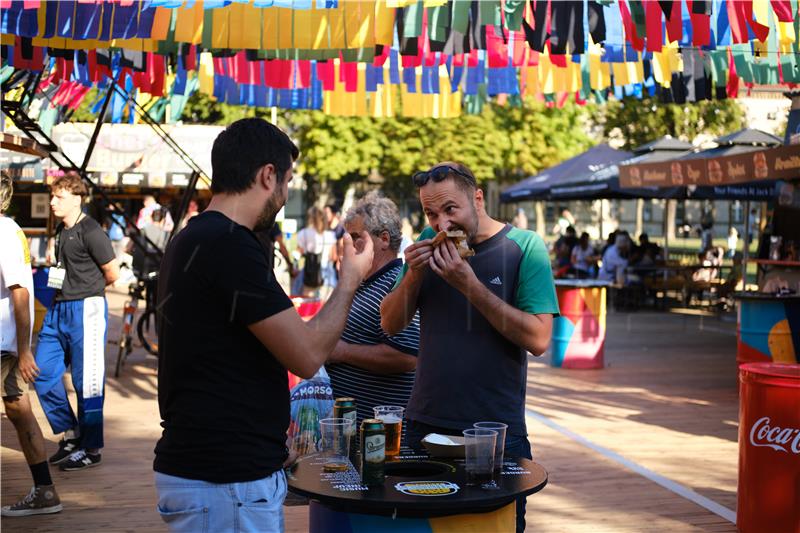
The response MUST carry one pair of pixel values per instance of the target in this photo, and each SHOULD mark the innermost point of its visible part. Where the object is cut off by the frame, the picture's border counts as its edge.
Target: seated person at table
(584, 258)
(367, 364)
(615, 259)
(563, 247)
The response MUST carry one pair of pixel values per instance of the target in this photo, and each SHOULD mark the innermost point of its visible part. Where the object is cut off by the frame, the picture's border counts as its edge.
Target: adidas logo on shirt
(496, 281)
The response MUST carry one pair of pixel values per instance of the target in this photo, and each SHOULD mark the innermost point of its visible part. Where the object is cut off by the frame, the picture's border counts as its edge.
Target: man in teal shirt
(478, 316)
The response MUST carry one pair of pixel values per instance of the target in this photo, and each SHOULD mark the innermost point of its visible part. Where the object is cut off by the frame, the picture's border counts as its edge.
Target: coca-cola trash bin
(769, 448)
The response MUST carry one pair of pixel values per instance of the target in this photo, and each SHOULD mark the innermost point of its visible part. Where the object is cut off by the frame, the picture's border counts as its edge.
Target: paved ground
(664, 409)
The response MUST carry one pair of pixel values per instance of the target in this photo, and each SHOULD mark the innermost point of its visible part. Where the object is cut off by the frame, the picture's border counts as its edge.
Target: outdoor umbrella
(538, 186)
(604, 183)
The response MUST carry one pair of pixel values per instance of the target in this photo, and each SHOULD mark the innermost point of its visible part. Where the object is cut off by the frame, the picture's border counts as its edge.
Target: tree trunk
(670, 214)
(540, 222)
(639, 217)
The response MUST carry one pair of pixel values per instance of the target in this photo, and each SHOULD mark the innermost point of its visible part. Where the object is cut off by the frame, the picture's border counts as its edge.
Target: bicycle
(146, 325)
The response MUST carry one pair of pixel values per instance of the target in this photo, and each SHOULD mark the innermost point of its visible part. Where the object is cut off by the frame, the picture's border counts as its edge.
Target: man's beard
(267, 217)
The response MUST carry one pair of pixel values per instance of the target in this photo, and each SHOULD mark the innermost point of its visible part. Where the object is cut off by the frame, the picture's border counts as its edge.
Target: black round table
(420, 491)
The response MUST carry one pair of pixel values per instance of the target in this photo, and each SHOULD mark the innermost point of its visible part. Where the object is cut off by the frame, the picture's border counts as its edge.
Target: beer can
(345, 407)
(373, 451)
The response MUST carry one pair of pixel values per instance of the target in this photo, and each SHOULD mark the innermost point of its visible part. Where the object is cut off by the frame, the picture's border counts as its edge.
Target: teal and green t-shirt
(466, 370)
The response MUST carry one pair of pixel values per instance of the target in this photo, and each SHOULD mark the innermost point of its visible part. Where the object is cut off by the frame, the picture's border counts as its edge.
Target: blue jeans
(516, 446)
(194, 506)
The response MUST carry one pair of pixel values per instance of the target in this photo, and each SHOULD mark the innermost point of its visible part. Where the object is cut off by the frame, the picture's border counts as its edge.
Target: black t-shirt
(223, 397)
(81, 250)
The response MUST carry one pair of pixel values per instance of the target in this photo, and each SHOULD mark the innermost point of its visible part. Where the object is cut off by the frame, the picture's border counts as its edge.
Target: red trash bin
(769, 448)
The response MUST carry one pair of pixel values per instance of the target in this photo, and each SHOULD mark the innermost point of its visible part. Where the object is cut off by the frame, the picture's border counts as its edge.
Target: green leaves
(636, 122)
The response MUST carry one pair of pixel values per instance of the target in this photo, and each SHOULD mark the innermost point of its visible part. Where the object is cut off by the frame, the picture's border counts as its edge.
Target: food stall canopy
(740, 142)
(538, 186)
(737, 166)
(605, 183)
(426, 58)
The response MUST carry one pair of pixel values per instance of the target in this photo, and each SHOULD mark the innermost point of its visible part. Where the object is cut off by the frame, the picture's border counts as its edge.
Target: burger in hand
(458, 237)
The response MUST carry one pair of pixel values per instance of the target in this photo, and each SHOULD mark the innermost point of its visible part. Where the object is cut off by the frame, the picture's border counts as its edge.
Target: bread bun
(458, 237)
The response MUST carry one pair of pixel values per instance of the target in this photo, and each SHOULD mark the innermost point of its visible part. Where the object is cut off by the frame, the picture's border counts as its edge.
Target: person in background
(615, 259)
(563, 247)
(334, 222)
(116, 231)
(191, 211)
(269, 238)
(733, 242)
(367, 364)
(564, 221)
(146, 212)
(154, 237)
(74, 330)
(18, 365)
(520, 219)
(227, 337)
(317, 245)
(584, 258)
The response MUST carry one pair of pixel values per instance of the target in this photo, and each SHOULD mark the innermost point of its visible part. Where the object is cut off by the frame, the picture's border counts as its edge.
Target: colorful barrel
(768, 330)
(769, 448)
(43, 297)
(579, 334)
(323, 519)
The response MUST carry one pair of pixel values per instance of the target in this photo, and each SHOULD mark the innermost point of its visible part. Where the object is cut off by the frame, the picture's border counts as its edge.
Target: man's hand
(418, 254)
(27, 367)
(448, 264)
(356, 264)
(292, 454)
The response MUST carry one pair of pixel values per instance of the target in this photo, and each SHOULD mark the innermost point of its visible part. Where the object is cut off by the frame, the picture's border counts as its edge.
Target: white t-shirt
(15, 269)
(317, 243)
(579, 256)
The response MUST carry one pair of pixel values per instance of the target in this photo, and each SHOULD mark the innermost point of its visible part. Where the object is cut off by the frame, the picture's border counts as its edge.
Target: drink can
(373, 455)
(345, 407)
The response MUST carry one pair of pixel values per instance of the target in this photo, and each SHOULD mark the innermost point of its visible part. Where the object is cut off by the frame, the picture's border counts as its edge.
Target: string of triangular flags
(429, 58)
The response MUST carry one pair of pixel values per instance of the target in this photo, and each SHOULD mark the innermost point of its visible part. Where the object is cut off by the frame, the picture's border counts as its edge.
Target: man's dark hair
(334, 208)
(159, 214)
(243, 148)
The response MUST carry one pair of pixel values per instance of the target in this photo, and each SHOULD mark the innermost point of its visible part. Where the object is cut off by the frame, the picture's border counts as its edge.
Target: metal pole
(96, 133)
(666, 230)
(746, 251)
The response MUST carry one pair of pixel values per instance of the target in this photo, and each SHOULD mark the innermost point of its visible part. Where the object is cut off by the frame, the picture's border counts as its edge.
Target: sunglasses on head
(438, 174)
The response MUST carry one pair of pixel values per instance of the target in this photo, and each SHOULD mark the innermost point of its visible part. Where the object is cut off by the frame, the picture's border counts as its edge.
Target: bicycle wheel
(148, 334)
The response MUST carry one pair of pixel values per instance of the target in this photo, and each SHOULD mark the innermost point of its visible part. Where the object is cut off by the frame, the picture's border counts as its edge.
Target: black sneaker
(40, 500)
(80, 460)
(65, 448)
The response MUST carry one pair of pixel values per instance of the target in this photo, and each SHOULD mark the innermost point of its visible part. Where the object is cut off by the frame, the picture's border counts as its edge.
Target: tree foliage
(636, 122)
(503, 142)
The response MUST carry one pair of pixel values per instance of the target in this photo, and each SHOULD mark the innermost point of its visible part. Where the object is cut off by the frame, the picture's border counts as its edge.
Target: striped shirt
(364, 327)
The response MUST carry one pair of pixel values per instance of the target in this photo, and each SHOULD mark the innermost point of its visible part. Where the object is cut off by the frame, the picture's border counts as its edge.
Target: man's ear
(478, 199)
(267, 177)
(384, 237)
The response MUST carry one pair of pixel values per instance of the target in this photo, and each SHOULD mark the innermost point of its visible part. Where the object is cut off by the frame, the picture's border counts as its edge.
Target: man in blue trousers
(74, 330)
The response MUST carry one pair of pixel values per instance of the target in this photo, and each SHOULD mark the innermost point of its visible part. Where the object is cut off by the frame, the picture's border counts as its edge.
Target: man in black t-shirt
(74, 330)
(228, 333)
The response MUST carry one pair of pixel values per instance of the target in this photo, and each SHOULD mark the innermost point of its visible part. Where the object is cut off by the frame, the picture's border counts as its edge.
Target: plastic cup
(500, 445)
(335, 444)
(392, 418)
(479, 454)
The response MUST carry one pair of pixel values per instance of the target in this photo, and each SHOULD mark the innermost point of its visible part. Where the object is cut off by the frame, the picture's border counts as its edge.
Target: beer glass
(500, 445)
(335, 443)
(392, 418)
(479, 454)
